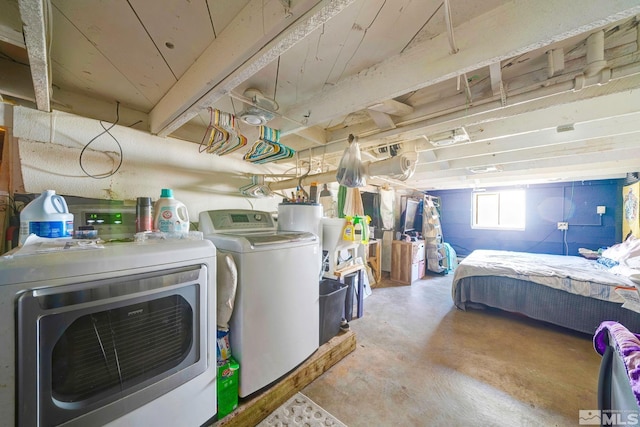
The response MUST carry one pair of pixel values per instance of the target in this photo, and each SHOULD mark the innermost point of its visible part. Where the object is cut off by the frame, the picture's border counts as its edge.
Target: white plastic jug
(170, 215)
(46, 216)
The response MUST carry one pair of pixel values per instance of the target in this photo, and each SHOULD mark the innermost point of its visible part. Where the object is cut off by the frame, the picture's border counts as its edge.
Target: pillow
(633, 262)
(635, 278)
(630, 248)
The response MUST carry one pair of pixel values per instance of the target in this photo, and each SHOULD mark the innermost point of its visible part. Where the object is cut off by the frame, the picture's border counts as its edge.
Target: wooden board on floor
(257, 408)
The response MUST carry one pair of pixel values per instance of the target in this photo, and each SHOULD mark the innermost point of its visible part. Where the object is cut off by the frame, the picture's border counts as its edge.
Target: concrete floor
(420, 361)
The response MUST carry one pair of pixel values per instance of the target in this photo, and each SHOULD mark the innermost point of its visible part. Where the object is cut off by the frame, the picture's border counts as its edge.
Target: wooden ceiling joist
(480, 45)
(245, 49)
(37, 27)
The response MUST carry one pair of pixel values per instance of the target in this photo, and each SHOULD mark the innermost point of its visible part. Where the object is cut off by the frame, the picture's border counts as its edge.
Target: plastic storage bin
(332, 296)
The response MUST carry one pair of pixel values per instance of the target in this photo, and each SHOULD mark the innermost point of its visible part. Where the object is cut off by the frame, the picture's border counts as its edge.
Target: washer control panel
(228, 220)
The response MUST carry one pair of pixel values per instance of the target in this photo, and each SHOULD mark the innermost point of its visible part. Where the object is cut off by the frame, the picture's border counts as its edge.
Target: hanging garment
(452, 257)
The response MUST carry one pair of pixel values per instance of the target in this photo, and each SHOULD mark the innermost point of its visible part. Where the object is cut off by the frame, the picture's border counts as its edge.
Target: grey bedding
(581, 308)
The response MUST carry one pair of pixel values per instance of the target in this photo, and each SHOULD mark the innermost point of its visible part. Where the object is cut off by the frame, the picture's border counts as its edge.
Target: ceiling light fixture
(485, 169)
(261, 110)
(455, 136)
(255, 116)
(565, 128)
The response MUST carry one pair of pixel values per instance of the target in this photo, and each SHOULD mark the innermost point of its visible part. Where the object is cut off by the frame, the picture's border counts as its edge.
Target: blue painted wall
(546, 205)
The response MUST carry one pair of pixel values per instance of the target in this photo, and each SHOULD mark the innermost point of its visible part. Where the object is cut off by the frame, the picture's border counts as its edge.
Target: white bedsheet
(568, 273)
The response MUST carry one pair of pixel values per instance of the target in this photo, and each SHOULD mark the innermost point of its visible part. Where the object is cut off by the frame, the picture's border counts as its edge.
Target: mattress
(571, 274)
(571, 292)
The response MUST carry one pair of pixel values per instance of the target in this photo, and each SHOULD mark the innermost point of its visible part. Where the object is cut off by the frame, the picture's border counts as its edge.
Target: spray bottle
(357, 229)
(366, 220)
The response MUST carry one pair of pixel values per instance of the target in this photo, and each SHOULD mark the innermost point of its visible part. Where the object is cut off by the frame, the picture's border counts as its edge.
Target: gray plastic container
(332, 296)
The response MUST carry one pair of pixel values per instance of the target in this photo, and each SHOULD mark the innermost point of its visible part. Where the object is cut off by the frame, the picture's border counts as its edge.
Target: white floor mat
(299, 410)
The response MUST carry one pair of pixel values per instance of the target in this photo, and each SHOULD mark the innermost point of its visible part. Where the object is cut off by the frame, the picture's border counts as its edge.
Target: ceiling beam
(382, 120)
(543, 155)
(393, 107)
(15, 81)
(603, 170)
(526, 112)
(531, 24)
(11, 36)
(586, 158)
(258, 35)
(499, 140)
(36, 20)
(495, 73)
(314, 134)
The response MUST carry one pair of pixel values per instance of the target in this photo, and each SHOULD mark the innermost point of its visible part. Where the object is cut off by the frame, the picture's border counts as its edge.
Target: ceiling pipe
(555, 62)
(447, 18)
(402, 165)
(595, 54)
(414, 128)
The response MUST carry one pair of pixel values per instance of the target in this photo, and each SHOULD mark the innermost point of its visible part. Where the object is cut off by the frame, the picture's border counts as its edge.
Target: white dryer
(275, 322)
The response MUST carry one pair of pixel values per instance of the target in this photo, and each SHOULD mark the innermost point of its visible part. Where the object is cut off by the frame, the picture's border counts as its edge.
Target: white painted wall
(50, 145)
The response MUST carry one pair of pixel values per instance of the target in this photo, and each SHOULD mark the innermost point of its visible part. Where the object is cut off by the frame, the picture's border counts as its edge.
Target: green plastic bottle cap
(166, 192)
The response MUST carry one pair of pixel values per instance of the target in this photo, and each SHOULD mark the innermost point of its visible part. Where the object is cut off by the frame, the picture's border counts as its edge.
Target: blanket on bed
(628, 346)
(573, 274)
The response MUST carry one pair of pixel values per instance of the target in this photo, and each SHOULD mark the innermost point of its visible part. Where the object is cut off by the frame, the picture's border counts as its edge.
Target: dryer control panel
(228, 220)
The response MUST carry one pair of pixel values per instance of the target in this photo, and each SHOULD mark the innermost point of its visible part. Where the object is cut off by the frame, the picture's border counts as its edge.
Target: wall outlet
(563, 226)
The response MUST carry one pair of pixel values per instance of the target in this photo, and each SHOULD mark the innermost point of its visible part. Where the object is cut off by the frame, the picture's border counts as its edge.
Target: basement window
(499, 210)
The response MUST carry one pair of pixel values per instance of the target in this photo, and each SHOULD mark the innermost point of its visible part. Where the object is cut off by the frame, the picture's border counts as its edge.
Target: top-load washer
(275, 322)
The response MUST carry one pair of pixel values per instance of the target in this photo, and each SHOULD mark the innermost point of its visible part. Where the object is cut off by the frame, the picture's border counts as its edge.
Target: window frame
(498, 227)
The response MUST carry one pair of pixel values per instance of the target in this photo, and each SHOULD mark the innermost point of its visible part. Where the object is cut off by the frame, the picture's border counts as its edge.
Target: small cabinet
(407, 261)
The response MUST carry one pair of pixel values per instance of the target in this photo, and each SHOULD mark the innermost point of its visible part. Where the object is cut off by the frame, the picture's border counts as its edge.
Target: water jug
(170, 215)
(46, 216)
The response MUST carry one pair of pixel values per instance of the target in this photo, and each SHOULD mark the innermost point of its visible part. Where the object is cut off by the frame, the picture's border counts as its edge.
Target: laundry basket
(332, 296)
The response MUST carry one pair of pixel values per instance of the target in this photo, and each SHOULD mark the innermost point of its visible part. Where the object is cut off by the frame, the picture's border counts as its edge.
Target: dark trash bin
(332, 296)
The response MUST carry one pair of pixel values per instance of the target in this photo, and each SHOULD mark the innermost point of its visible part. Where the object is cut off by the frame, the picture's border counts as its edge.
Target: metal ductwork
(400, 167)
(595, 54)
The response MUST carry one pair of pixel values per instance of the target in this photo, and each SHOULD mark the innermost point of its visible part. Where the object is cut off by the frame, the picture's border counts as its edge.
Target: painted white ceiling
(514, 74)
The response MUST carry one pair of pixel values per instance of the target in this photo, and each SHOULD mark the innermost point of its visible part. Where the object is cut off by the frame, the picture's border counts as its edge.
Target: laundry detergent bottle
(46, 216)
(171, 216)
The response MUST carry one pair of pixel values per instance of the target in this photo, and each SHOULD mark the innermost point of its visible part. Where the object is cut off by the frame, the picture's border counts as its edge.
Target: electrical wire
(541, 240)
(275, 89)
(565, 219)
(107, 131)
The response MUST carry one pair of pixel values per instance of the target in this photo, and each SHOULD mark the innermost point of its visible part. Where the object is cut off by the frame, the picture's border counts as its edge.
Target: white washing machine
(275, 322)
(302, 217)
